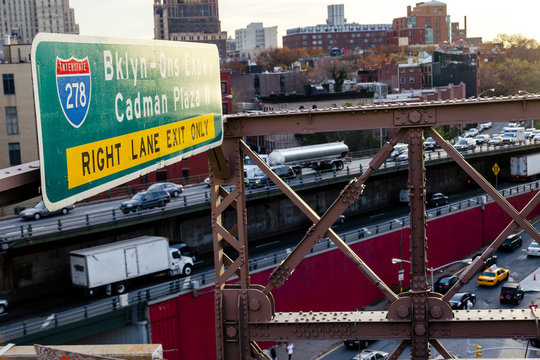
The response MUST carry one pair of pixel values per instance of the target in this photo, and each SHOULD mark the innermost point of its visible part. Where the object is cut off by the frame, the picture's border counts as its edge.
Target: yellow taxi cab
(493, 276)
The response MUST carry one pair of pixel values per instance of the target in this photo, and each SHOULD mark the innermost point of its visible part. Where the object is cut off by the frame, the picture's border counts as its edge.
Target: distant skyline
(134, 18)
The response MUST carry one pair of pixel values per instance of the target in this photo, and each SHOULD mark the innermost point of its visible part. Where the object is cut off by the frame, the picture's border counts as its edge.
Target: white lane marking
(48, 321)
(377, 215)
(267, 244)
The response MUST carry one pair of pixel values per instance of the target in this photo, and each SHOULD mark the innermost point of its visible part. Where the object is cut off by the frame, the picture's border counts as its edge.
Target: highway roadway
(522, 269)
(103, 212)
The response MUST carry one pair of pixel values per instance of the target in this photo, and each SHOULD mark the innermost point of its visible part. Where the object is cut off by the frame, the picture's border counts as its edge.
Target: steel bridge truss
(245, 312)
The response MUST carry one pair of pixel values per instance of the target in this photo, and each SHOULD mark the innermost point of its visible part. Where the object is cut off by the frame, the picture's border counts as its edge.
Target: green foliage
(339, 76)
(347, 104)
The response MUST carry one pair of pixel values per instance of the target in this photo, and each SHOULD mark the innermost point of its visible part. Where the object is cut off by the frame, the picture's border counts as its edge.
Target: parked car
(436, 199)
(511, 243)
(3, 306)
(145, 200)
(355, 344)
(371, 355)
(430, 144)
(533, 249)
(445, 283)
(171, 188)
(486, 125)
(39, 210)
(459, 300)
(493, 276)
(492, 260)
(511, 293)
(186, 250)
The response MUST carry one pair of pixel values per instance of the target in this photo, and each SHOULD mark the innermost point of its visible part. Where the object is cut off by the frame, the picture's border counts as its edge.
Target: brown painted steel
(448, 112)
(419, 317)
(280, 275)
(372, 325)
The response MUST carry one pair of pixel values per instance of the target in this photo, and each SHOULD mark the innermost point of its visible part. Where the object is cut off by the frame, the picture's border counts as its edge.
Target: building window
(402, 80)
(224, 108)
(14, 154)
(12, 123)
(223, 87)
(411, 80)
(9, 84)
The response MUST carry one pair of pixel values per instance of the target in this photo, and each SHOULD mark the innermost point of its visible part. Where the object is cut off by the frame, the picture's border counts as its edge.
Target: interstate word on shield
(93, 161)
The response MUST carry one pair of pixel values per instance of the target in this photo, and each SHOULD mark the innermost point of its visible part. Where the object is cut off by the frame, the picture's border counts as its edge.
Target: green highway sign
(109, 110)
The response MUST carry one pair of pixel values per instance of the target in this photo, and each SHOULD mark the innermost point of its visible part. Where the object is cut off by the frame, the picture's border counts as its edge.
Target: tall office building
(189, 20)
(25, 18)
(255, 38)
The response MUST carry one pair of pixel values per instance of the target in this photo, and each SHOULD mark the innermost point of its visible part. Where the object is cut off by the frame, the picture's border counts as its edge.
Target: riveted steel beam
(373, 325)
(422, 114)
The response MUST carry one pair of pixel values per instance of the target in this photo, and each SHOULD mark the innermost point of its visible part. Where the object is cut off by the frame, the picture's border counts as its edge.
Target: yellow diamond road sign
(496, 169)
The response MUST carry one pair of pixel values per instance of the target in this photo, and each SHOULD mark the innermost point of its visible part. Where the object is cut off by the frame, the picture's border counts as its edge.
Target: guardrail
(204, 280)
(12, 234)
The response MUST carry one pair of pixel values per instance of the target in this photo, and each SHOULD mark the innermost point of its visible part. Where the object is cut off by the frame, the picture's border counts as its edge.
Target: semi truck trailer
(525, 167)
(112, 266)
(317, 157)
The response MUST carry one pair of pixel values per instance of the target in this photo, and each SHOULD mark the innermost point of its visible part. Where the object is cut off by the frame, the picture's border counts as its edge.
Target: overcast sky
(134, 18)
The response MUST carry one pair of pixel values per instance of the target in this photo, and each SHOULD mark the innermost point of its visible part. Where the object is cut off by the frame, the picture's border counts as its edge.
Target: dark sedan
(445, 283)
(437, 199)
(511, 243)
(459, 300)
(145, 200)
(39, 210)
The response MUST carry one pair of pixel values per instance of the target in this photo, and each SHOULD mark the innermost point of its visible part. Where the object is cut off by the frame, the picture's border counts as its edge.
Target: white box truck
(525, 167)
(112, 266)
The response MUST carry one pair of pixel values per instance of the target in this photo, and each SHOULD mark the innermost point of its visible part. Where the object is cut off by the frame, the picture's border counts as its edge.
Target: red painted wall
(329, 281)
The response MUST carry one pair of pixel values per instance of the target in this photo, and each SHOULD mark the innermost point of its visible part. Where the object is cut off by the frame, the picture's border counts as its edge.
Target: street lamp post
(432, 270)
(485, 91)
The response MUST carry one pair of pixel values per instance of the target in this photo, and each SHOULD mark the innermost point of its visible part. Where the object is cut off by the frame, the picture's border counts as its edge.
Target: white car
(482, 138)
(533, 249)
(486, 125)
(371, 355)
(3, 306)
(472, 132)
(404, 156)
(398, 149)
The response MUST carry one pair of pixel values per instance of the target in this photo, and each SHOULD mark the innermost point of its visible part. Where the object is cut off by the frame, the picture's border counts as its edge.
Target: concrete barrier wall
(329, 281)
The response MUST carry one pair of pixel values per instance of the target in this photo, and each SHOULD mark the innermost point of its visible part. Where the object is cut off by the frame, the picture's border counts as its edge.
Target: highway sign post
(496, 169)
(110, 110)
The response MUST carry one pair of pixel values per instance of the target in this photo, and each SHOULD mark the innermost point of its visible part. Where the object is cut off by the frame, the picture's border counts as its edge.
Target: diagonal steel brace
(375, 163)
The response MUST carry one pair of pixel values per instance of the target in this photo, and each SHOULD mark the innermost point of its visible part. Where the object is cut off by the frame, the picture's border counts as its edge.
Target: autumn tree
(278, 57)
(514, 67)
